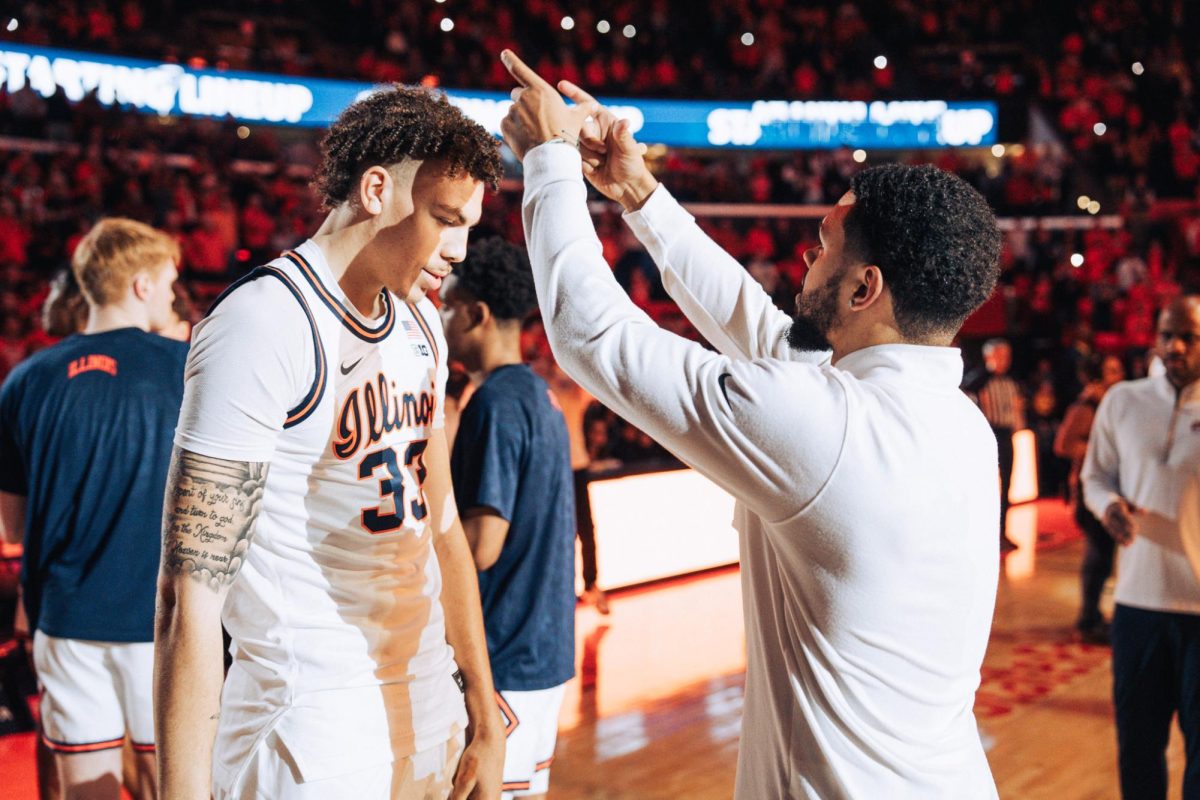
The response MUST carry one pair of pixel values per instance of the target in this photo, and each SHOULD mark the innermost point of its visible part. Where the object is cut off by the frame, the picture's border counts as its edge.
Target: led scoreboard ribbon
(171, 89)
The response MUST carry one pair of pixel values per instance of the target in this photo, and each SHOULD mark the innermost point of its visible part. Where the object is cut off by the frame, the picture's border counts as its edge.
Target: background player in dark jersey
(85, 437)
(512, 476)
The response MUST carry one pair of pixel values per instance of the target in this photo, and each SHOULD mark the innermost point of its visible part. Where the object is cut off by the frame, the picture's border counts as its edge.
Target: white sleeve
(714, 291)
(251, 362)
(770, 432)
(428, 311)
(1100, 477)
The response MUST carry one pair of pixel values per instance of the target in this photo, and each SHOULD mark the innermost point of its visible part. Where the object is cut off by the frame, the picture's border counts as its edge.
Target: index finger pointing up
(520, 71)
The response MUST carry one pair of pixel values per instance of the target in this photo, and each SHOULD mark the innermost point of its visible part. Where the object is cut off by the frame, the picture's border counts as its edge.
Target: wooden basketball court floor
(662, 678)
(655, 711)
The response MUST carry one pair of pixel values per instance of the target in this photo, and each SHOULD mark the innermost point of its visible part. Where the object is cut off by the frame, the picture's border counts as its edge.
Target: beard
(816, 313)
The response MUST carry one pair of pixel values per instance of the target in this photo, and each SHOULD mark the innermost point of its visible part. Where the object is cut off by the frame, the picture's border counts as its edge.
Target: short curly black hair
(497, 272)
(401, 122)
(932, 236)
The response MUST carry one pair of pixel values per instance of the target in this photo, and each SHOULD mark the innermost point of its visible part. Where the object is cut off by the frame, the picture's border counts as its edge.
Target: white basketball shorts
(531, 724)
(425, 775)
(93, 693)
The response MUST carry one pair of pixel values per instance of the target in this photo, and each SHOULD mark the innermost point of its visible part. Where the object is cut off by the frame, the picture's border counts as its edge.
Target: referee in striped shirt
(1003, 403)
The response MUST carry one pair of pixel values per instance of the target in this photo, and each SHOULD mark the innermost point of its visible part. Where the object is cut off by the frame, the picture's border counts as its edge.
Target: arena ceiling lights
(171, 89)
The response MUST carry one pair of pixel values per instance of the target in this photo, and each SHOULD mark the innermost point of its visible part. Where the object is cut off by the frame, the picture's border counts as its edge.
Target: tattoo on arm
(210, 509)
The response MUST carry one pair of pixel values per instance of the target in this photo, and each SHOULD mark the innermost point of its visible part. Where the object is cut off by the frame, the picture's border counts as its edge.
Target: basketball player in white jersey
(309, 505)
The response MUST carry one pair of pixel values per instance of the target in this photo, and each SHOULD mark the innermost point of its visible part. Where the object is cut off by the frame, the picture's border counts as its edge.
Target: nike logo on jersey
(347, 369)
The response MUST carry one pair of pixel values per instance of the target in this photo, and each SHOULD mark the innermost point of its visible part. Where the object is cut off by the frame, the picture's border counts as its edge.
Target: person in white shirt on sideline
(868, 501)
(1140, 479)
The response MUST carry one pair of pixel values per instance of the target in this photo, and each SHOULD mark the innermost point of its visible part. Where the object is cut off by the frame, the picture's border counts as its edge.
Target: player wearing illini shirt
(85, 439)
(309, 504)
(511, 464)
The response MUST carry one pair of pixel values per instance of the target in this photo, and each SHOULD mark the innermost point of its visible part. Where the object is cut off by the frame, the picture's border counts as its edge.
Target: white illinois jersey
(339, 641)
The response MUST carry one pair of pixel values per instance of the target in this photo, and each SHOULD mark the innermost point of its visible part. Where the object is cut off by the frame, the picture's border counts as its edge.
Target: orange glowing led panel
(659, 525)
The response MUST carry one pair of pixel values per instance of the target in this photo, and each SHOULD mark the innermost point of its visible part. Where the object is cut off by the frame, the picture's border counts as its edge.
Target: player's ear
(480, 313)
(867, 288)
(141, 285)
(373, 187)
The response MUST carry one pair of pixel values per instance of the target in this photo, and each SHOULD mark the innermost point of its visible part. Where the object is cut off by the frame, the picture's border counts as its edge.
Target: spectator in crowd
(598, 439)
(1045, 419)
(206, 252)
(1003, 404)
(1101, 374)
(65, 310)
(257, 228)
(13, 344)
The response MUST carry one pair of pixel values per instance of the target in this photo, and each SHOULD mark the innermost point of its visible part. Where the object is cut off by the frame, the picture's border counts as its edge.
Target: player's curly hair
(402, 122)
(932, 236)
(497, 272)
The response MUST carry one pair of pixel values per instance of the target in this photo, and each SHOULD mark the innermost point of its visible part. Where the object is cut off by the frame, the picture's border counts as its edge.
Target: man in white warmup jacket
(1141, 478)
(867, 484)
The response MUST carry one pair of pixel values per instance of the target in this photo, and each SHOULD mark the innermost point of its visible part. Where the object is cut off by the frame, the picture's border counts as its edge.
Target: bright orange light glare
(659, 525)
(657, 643)
(1024, 486)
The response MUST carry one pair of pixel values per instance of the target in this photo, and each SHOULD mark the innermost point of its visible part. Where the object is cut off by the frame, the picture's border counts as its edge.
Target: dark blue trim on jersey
(308, 405)
(428, 331)
(340, 311)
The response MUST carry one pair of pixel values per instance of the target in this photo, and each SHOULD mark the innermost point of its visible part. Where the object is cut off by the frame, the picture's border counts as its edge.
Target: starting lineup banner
(171, 89)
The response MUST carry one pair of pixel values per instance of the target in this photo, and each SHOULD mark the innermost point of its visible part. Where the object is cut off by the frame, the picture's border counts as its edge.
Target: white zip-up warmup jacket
(1145, 447)
(868, 502)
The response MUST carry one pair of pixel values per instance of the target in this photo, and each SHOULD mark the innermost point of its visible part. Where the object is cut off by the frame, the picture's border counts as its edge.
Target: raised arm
(210, 508)
(718, 295)
(713, 289)
(735, 421)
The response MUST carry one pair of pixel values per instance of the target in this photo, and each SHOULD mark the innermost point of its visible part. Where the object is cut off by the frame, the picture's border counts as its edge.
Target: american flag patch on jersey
(412, 331)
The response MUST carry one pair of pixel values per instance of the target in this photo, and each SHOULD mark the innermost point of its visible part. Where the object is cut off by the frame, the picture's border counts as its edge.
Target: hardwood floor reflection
(656, 709)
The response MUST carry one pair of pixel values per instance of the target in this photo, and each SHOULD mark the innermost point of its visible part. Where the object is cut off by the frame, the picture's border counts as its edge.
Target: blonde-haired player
(85, 431)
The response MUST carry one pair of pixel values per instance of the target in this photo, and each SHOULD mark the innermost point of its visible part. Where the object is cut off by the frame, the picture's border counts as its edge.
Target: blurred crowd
(1097, 99)
(1112, 81)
